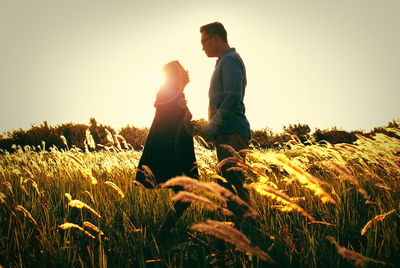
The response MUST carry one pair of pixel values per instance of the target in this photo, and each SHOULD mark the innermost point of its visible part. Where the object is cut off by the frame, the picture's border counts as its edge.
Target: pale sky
(321, 63)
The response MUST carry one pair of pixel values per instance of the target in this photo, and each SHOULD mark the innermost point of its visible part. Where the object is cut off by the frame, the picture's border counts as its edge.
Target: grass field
(311, 205)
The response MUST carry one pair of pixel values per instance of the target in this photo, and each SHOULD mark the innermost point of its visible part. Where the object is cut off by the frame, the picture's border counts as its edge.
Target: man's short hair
(215, 28)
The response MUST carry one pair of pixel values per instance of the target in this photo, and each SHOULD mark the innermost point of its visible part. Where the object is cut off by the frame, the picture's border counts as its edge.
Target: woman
(169, 150)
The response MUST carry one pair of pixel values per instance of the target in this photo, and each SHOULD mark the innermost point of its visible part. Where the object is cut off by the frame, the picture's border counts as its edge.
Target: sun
(151, 81)
(160, 78)
(155, 78)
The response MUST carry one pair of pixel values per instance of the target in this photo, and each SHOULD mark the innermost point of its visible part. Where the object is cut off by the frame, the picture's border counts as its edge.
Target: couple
(169, 150)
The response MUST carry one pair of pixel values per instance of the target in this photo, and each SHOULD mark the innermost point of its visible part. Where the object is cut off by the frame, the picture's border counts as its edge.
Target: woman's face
(184, 77)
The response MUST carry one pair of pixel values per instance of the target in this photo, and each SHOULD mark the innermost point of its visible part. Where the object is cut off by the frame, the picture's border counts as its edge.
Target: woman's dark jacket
(169, 150)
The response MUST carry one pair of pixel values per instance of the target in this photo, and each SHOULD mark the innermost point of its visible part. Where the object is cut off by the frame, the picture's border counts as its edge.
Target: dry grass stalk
(64, 140)
(201, 141)
(237, 158)
(69, 225)
(322, 222)
(256, 169)
(243, 207)
(118, 136)
(261, 167)
(342, 169)
(130, 228)
(109, 136)
(218, 177)
(187, 183)
(115, 187)
(2, 169)
(139, 184)
(232, 236)
(93, 227)
(93, 180)
(375, 220)
(242, 166)
(237, 169)
(86, 171)
(280, 197)
(148, 175)
(90, 140)
(232, 160)
(381, 150)
(389, 144)
(383, 186)
(304, 178)
(26, 214)
(79, 204)
(213, 189)
(346, 174)
(2, 198)
(24, 189)
(282, 208)
(67, 195)
(351, 255)
(16, 171)
(76, 159)
(188, 197)
(34, 185)
(117, 142)
(8, 185)
(90, 196)
(232, 151)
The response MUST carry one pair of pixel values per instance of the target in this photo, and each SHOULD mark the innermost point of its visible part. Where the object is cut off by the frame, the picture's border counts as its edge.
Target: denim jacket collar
(229, 50)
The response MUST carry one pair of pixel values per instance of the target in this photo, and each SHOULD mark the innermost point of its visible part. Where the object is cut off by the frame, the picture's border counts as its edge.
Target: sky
(322, 63)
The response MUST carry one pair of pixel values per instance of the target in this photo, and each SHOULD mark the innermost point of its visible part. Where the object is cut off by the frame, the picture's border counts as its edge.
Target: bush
(266, 138)
(134, 136)
(99, 132)
(334, 136)
(302, 131)
(383, 130)
(74, 134)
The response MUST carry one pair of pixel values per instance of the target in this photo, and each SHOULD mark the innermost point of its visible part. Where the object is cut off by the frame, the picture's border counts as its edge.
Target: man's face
(208, 43)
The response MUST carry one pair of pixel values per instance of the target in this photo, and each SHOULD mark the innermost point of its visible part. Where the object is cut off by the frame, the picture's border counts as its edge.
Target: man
(228, 124)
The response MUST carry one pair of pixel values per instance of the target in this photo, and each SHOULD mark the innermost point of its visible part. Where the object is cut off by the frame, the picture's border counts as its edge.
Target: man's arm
(233, 84)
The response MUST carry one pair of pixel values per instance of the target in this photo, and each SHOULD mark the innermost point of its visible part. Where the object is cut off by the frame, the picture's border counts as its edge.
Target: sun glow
(160, 78)
(155, 78)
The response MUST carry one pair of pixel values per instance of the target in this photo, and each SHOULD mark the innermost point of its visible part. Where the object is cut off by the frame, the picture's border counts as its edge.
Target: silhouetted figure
(228, 124)
(169, 149)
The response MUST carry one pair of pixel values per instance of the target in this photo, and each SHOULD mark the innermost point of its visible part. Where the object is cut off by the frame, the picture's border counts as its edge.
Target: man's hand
(195, 128)
(198, 128)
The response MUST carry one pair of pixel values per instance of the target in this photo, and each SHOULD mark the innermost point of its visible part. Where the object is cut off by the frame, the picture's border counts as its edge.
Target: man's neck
(223, 49)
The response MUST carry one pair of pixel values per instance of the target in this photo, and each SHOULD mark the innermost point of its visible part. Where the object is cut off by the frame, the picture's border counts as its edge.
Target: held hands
(196, 127)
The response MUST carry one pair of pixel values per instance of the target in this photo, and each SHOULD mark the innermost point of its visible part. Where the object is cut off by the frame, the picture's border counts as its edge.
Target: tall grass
(315, 205)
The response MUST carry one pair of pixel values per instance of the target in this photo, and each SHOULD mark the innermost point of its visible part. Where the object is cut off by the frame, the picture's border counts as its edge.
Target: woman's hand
(183, 76)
